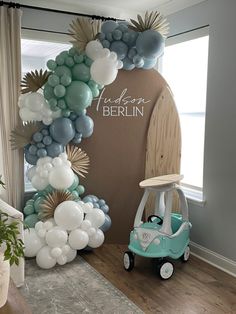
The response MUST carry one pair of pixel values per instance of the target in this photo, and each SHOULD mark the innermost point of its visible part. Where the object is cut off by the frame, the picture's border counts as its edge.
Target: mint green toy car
(165, 234)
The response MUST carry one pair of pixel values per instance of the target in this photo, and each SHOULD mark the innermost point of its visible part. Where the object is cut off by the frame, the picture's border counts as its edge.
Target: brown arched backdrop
(117, 148)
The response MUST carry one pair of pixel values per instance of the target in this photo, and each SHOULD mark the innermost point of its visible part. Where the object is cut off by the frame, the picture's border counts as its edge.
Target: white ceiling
(114, 8)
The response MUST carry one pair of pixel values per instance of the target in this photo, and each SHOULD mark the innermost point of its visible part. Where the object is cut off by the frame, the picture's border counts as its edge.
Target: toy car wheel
(186, 255)
(166, 270)
(128, 260)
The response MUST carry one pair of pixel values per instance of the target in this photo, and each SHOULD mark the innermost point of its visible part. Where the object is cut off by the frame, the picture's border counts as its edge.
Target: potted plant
(11, 249)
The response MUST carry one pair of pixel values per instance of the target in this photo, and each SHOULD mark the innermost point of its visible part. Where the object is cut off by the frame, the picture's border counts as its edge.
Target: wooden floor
(196, 287)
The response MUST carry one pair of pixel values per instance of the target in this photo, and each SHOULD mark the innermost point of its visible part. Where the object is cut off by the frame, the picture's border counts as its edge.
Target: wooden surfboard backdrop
(163, 143)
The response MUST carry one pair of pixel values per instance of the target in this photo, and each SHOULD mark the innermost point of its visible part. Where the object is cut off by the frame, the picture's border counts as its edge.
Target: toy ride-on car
(165, 234)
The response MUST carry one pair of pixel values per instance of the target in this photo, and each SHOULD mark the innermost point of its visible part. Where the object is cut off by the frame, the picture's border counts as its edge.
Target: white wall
(214, 225)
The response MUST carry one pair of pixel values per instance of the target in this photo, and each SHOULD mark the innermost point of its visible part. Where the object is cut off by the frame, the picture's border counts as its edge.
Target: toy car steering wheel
(150, 219)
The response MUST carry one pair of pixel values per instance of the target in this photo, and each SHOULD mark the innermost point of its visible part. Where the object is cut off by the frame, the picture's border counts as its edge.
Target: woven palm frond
(34, 80)
(22, 134)
(52, 200)
(153, 20)
(78, 158)
(83, 30)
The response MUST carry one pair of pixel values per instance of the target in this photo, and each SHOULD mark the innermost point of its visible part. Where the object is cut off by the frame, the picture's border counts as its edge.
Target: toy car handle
(155, 216)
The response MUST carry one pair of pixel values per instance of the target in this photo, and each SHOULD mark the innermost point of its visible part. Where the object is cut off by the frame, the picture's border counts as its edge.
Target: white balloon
(63, 156)
(27, 115)
(34, 101)
(44, 258)
(39, 183)
(39, 225)
(56, 237)
(31, 172)
(69, 215)
(44, 160)
(57, 161)
(42, 233)
(61, 178)
(103, 71)
(94, 49)
(91, 231)
(86, 224)
(71, 255)
(65, 249)
(21, 100)
(32, 242)
(96, 217)
(56, 252)
(96, 240)
(49, 224)
(78, 239)
(87, 207)
(62, 260)
(47, 120)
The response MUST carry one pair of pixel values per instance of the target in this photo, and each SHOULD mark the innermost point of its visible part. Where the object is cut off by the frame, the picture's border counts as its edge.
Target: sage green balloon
(38, 203)
(61, 104)
(53, 80)
(48, 91)
(59, 91)
(65, 113)
(72, 51)
(30, 202)
(28, 209)
(80, 189)
(78, 58)
(31, 220)
(78, 96)
(75, 184)
(51, 64)
(81, 72)
(75, 194)
(65, 80)
(62, 70)
(69, 61)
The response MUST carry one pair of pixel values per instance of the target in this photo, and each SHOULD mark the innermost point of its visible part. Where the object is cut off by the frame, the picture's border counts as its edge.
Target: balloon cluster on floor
(53, 109)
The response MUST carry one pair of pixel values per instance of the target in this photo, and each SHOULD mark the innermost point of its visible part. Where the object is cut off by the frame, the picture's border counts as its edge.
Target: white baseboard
(213, 258)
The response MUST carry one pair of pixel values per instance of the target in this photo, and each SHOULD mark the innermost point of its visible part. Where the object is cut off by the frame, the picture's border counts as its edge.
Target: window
(184, 67)
(34, 56)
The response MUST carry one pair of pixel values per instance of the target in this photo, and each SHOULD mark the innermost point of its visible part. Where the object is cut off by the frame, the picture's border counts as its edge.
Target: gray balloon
(107, 224)
(62, 130)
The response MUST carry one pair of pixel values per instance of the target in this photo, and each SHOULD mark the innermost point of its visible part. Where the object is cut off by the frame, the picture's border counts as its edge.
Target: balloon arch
(53, 110)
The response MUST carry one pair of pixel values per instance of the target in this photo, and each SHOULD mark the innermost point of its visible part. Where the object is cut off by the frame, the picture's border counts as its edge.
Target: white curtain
(11, 161)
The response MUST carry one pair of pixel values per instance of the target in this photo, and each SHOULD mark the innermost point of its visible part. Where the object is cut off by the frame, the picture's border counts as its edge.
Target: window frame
(44, 36)
(194, 194)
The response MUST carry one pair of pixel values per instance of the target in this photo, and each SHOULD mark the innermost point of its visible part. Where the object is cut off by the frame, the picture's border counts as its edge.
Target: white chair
(17, 272)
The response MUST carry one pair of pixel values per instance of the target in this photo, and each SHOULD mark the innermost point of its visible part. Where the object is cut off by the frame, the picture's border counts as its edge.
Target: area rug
(72, 289)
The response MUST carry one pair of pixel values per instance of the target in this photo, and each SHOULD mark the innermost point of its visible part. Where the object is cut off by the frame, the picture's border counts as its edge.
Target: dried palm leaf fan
(33, 81)
(83, 30)
(51, 202)
(153, 20)
(22, 134)
(79, 159)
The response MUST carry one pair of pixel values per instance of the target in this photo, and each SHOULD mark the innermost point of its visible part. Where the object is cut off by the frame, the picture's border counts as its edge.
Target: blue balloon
(62, 130)
(128, 64)
(54, 149)
(105, 208)
(138, 61)
(47, 140)
(41, 153)
(84, 125)
(108, 26)
(149, 63)
(37, 137)
(150, 44)
(33, 149)
(87, 199)
(96, 205)
(31, 159)
(107, 224)
(101, 202)
(120, 48)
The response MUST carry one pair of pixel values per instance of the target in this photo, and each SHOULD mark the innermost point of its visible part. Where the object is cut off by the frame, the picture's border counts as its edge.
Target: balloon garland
(53, 110)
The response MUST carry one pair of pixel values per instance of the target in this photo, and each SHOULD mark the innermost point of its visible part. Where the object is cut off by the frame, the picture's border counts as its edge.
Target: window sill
(194, 196)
